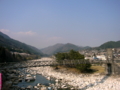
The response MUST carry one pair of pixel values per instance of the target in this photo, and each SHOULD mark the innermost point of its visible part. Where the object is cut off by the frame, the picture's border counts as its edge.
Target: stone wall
(112, 68)
(117, 68)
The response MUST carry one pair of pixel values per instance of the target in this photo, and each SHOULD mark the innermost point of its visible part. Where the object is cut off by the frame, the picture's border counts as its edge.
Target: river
(39, 79)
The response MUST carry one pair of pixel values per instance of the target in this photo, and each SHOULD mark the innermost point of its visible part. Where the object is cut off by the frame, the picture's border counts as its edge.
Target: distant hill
(68, 47)
(8, 42)
(110, 44)
(61, 48)
(51, 49)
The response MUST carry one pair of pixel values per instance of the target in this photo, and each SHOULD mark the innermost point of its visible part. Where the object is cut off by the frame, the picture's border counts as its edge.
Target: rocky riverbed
(63, 79)
(80, 81)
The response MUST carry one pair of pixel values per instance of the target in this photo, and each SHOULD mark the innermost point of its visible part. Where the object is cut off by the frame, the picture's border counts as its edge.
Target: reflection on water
(39, 79)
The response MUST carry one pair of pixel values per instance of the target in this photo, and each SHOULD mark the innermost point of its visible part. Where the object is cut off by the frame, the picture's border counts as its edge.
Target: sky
(42, 23)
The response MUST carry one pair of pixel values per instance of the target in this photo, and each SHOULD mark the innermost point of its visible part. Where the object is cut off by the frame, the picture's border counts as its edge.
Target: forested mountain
(12, 44)
(61, 48)
(8, 42)
(110, 44)
(6, 56)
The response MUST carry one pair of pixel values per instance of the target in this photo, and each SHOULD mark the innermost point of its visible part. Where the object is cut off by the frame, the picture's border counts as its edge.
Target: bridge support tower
(110, 65)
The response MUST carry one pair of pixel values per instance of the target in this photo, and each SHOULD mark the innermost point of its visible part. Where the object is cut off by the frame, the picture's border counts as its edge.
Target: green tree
(74, 55)
(5, 55)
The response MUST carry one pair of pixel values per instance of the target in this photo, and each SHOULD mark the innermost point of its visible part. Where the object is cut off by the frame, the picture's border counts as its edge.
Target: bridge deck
(32, 63)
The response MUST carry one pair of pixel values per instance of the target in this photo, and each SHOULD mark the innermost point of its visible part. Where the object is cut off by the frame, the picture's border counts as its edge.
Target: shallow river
(39, 79)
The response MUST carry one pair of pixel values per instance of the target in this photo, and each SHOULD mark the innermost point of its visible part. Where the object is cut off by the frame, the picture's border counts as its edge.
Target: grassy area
(68, 69)
(95, 69)
(98, 69)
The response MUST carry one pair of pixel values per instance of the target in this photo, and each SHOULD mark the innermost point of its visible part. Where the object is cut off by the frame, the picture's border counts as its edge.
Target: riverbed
(81, 81)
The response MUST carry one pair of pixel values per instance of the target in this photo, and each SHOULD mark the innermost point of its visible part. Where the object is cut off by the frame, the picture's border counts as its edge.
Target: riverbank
(80, 81)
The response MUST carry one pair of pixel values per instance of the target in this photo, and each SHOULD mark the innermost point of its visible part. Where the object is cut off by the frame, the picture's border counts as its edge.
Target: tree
(5, 55)
(74, 55)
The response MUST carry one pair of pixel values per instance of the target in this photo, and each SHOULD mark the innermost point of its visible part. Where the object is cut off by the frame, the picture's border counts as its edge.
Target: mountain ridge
(110, 44)
(68, 46)
(61, 48)
(6, 41)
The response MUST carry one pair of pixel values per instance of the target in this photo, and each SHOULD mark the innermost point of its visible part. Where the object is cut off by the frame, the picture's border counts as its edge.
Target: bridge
(25, 64)
(111, 66)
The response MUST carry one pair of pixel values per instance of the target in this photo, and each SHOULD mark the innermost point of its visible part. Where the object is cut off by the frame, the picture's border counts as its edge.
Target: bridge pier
(110, 65)
(110, 69)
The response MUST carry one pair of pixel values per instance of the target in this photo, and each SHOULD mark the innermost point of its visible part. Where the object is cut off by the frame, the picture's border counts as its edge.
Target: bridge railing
(49, 63)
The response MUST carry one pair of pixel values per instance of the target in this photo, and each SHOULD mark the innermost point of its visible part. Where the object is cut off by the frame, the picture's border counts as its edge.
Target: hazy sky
(42, 23)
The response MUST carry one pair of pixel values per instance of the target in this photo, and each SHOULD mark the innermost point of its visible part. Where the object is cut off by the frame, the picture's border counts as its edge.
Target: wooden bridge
(25, 64)
(111, 66)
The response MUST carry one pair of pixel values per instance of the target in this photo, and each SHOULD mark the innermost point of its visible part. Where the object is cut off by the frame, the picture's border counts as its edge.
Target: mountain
(110, 44)
(68, 47)
(61, 48)
(51, 49)
(8, 42)
(4, 35)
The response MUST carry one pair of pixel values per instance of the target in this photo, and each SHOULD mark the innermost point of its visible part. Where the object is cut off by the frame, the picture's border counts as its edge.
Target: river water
(39, 79)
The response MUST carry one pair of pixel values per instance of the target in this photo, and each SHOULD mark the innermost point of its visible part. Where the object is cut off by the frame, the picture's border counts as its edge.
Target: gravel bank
(81, 81)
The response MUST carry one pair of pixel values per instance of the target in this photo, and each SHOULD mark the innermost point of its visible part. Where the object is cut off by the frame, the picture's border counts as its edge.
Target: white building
(101, 57)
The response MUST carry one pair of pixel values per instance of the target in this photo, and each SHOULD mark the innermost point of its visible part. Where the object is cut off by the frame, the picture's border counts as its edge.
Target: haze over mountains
(61, 48)
(67, 47)
(6, 41)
